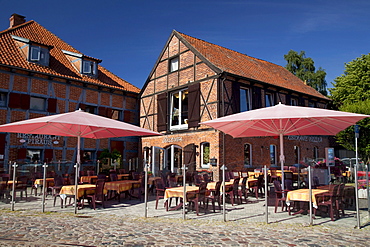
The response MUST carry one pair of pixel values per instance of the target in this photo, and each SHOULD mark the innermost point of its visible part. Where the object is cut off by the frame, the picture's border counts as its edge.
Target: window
(273, 154)
(247, 155)
(89, 68)
(90, 109)
(2, 99)
(296, 155)
(39, 55)
(115, 114)
(269, 99)
(311, 104)
(293, 102)
(37, 104)
(245, 100)
(174, 64)
(205, 151)
(179, 110)
(315, 153)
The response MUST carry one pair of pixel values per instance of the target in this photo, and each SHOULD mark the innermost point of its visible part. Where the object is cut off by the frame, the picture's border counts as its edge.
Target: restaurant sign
(305, 138)
(38, 139)
(172, 139)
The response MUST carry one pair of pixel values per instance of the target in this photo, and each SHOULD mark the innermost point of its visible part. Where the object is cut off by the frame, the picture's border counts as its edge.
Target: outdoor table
(123, 176)
(303, 196)
(212, 185)
(82, 190)
(39, 182)
(178, 192)
(121, 186)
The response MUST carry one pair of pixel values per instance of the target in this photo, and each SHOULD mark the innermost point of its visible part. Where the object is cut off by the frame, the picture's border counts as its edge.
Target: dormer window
(89, 67)
(85, 64)
(34, 52)
(39, 55)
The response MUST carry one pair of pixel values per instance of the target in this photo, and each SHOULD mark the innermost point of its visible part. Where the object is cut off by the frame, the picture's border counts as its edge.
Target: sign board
(329, 156)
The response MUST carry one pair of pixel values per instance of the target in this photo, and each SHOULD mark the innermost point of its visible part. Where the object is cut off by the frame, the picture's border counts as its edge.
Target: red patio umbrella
(78, 124)
(281, 120)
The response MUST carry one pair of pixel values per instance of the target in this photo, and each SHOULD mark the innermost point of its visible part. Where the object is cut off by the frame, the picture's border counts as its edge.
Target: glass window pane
(35, 53)
(247, 154)
(272, 154)
(37, 104)
(244, 100)
(205, 149)
(174, 64)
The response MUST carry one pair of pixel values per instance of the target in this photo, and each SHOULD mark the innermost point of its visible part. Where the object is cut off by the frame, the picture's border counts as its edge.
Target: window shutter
(288, 99)
(14, 100)
(22, 153)
(52, 105)
(189, 156)
(194, 105)
(127, 116)
(2, 143)
(102, 111)
(48, 155)
(235, 97)
(256, 98)
(25, 101)
(162, 112)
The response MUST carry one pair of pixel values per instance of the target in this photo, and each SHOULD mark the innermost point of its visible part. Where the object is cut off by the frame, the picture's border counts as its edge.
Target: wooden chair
(258, 187)
(98, 196)
(21, 186)
(4, 191)
(197, 198)
(328, 200)
(58, 184)
(215, 196)
(234, 192)
(159, 190)
(197, 179)
(340, 203)
(280, 196)
(243, 192)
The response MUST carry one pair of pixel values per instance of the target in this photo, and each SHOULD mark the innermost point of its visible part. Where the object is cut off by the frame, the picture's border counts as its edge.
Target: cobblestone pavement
(30, 228)
(124, 224)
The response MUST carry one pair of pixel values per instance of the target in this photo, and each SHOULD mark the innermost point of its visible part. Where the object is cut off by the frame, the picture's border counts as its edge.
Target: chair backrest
(288, 184)
(197, 179)
(159, 184)
(113, 177)
(227, 176)
(236, 184)
(277, 186)
(99, 190)
(58, 181)
(260, 181)
(206, 177)
(316, 181)
(236, 174)
(172, 181)
(340, 192)
(218, 188)
(245, 174)
(202, 190)
(288, 175)
(244, 184)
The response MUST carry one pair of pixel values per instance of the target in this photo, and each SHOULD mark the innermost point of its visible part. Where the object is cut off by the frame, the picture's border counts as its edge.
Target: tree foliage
(304, 68)
(351, 93)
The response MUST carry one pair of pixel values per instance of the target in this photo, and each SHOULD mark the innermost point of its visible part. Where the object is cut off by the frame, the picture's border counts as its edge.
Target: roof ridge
(16, 27)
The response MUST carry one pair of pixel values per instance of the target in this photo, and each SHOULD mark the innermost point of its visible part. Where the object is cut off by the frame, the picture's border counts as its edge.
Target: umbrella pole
(266, 197)
(77, 168)
(310, 194)
(146, 189)
(44, 187)
(13, 186)
(282, 158)
(223, 193)
(184, 184)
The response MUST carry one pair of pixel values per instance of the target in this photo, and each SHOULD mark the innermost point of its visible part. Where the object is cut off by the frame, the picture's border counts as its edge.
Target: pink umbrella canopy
(280, 120)
(77, 124)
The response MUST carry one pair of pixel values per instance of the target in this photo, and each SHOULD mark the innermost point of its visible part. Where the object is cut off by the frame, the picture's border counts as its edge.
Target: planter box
(362, 193)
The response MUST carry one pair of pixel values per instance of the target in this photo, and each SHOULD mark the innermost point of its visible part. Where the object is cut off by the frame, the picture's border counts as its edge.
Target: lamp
(213, 161)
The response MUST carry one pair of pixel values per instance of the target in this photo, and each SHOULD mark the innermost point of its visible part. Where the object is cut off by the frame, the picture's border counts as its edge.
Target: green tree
(351, 93)
(304, 68)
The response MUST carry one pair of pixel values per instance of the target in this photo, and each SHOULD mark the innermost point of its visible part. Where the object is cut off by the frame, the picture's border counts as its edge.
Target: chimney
(16, 20)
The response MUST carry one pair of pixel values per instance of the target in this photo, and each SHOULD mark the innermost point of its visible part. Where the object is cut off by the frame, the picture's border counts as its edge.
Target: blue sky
(129, 35)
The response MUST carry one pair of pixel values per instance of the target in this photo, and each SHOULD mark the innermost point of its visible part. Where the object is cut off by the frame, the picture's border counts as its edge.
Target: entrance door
(158, 160)
(174, 159)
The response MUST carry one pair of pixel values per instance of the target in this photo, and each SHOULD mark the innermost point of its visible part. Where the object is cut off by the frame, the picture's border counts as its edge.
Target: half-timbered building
(194, 81)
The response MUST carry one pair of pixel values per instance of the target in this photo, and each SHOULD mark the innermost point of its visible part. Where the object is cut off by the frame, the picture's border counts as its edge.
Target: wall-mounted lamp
(213, 161)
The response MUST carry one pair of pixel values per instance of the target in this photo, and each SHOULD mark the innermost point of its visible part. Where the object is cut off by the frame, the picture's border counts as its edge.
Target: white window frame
(37, 103)
(269, 98)
(3, 99)
(182, 123)
(245, 99)
(250, 155)
(174, 64)
(273, 155)
(39, 55)
(202, 150)
(293, 101)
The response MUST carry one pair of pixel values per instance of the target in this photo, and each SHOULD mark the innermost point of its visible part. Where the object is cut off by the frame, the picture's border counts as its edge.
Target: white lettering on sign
(305, 138)
(172, 139)
(38, 138)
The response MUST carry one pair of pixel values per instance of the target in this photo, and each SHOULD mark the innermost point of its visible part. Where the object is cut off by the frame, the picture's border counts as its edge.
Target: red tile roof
(59, 65)
(240, 64)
